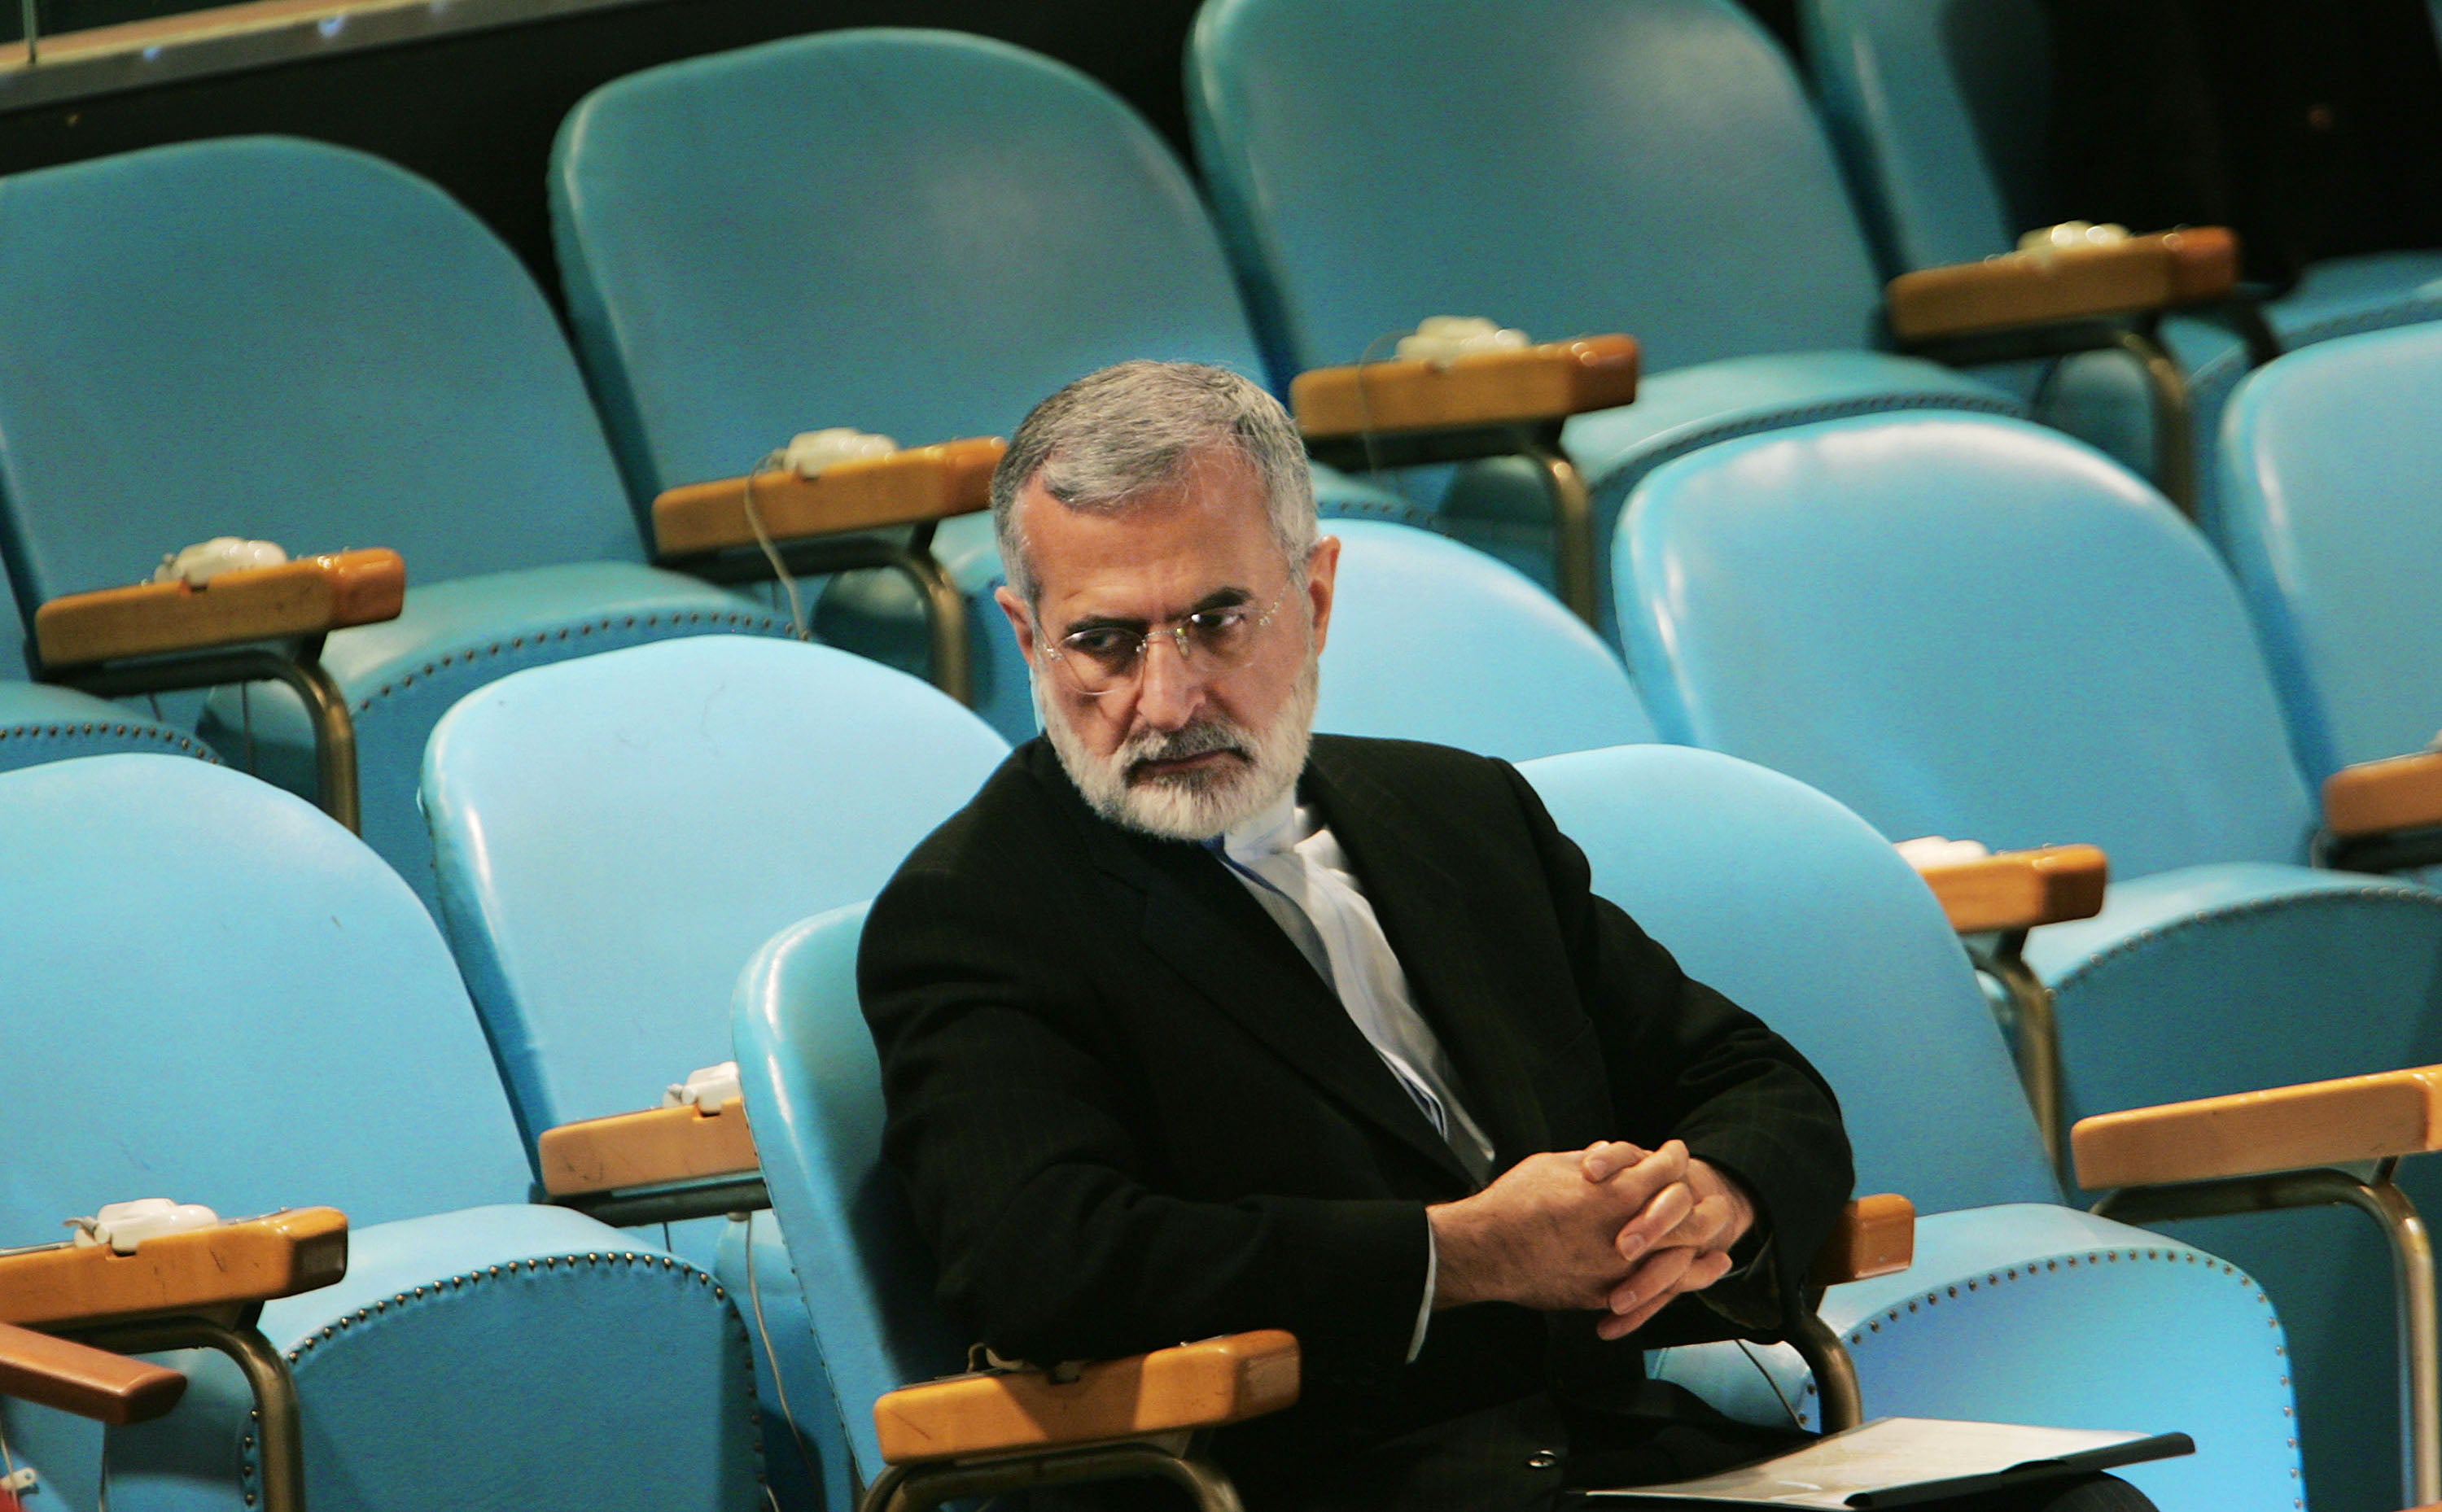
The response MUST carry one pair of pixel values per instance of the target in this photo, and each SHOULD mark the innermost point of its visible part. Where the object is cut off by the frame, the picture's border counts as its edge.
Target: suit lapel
(1424, 908)
(1206, 927)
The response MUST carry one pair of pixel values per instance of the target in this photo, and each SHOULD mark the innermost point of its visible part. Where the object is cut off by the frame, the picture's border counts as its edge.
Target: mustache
(1204, 737)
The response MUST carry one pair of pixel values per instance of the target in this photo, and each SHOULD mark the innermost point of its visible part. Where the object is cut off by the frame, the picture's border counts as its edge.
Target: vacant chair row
(794, 778)
(422, 400)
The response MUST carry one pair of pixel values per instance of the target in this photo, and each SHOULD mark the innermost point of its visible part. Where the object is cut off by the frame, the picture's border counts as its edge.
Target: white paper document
(1894, 1461)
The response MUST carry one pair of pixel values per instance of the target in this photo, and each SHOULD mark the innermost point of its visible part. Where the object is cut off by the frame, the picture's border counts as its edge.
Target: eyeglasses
(1105, 658)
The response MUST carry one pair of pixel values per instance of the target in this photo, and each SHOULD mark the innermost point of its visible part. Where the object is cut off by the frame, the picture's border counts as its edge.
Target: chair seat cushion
(39, 722)
(2033, 1312)
(528, 1350)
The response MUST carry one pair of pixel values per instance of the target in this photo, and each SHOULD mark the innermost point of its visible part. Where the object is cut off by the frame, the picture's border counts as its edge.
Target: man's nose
(1169, 690)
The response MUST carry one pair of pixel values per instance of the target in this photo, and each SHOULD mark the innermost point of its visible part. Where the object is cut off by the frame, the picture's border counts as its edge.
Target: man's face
(1184, 748)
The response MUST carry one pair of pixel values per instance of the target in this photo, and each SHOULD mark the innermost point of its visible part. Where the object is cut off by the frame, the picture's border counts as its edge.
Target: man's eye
(1213, 626)
(1103, 645)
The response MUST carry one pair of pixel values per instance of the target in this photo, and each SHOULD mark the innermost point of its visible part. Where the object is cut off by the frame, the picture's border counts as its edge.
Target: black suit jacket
(1130, 1113)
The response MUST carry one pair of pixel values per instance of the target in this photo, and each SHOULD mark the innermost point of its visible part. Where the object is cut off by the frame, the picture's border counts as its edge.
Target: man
(1193, 1023)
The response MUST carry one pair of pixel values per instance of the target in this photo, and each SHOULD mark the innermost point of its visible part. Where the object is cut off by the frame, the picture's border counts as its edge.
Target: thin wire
(245, 722)
(154, 699)
(1365, 406)
(7, 1460)
(763, 1331)
(101, 1477)
(771, 553)
(1768, 1380)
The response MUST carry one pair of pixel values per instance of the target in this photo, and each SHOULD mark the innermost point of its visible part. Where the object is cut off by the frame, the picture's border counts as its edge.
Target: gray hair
(1106, 438)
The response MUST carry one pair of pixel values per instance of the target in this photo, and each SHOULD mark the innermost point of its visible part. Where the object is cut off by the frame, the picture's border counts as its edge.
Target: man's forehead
(1171, 543)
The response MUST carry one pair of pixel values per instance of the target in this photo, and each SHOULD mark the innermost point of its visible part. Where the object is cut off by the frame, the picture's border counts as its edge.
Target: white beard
(1190, 805)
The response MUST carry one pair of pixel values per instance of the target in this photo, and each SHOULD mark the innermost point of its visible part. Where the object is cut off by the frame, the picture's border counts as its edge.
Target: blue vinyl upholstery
(1680, 836)
(1979, 629)
(1433, 641)
(1565, 167)
(1942, 109)
(339, 355)
(921, 233)
(748, 780)
(41, 724)
(267, 1018)
(2329, 458)
(1768, 890)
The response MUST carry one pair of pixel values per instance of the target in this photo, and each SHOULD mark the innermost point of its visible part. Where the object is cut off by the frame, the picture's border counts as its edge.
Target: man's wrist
(1453, 1240)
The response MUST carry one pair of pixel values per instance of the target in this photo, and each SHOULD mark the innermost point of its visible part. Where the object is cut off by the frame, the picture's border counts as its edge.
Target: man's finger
(1657, 1276)
(1655, 1223)
(1605, 1160)
(1700, 1274)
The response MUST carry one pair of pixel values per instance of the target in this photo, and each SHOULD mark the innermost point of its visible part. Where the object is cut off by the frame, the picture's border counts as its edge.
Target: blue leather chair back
(1796, 908)
(1434, 641)
(271, 337)
(1961, 626)
(1563, 166)
(615, 835)
(254, 1005)
(915, 232)
(2329, 460)
(1942, 109)
(813, 1092)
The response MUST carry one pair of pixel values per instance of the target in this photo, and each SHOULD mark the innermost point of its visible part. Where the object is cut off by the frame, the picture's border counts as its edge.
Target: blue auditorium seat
(1564, 167)
(921, 233)
(2329, 460)
(1766, 887)
(1976, 628)
(1431, 640)
(617, 836)
(1768, 890)
(1942, 110)
(286, 340)
(215, 993)
(39, 723)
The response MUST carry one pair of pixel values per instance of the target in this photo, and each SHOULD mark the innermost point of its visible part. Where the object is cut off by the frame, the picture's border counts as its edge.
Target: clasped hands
(1611, 1228)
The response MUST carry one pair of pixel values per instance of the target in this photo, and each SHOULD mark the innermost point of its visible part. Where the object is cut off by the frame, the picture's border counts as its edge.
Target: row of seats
(575, 937)
(769, 345)
(755, 777)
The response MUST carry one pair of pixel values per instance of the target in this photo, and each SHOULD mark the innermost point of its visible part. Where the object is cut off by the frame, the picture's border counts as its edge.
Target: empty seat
(921, 233)
(1431, 640)
(1980, 629)
(2328, 460)
(344, 357)
(1645, 166)
(751, 779)
(267, 1018)
(1943, 110)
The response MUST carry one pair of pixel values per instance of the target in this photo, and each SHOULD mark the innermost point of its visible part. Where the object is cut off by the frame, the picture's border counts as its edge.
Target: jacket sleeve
(1687, 1063)
(1013, 1123)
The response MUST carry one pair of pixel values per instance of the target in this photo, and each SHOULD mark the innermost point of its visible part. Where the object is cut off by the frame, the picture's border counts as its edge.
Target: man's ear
(1021, 622)
(1321, 579)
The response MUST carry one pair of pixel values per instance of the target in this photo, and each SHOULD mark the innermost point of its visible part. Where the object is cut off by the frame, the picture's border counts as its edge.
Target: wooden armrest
(2289, 1128)
(2020, 889)
(304, 597)
(2381, 797)
(249, 1260)
(1205, 1384)
(1548, 382)
(79, 1378)
(2065, 284)
(903, 489)
(647, 1149)
(1875, 1236)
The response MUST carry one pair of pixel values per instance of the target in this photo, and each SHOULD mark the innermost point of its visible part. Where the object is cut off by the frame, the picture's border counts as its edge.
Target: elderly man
(1193, 1022)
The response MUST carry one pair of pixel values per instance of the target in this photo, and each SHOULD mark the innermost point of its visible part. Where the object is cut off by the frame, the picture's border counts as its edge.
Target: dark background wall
(475, 112)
